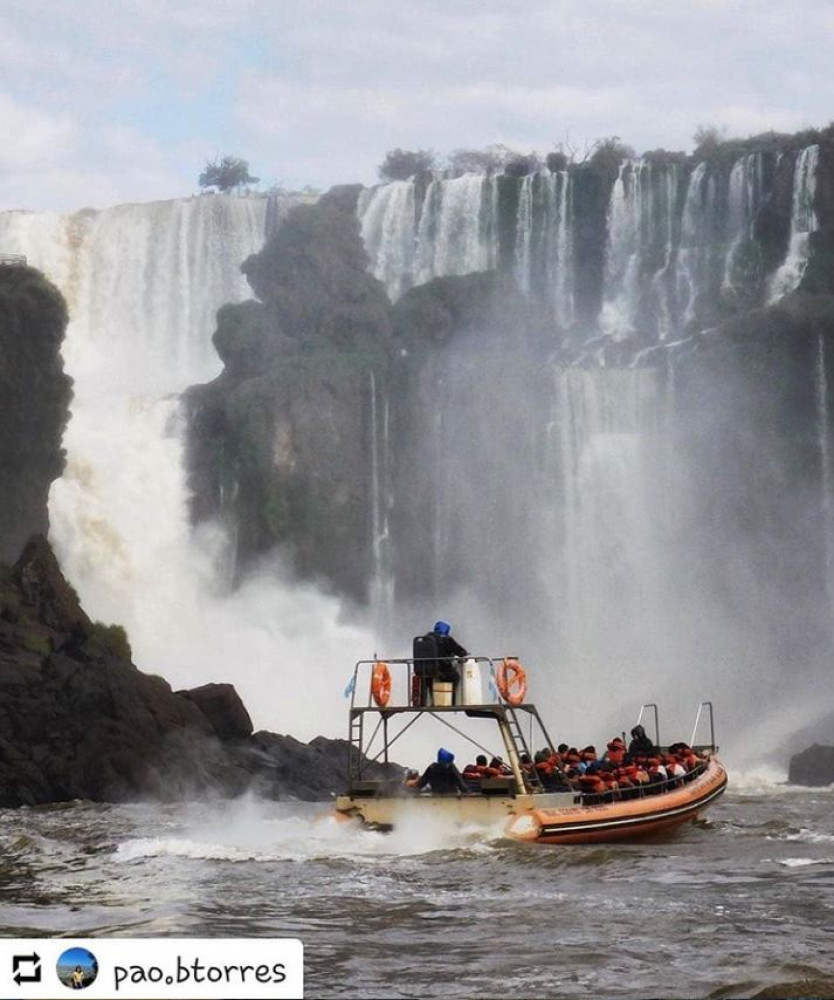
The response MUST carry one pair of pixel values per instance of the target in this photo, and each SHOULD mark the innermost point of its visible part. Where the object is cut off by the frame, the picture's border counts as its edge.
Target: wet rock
(79, 721)
(221, 705)
(813, 767)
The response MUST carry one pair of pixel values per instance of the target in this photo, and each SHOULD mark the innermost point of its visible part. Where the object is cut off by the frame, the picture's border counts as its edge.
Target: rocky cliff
(79, 721)
(279, 441)
(34, 402)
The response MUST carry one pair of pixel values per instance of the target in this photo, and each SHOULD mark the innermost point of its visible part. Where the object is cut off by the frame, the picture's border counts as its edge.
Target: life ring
(381, 684)
(512, 682)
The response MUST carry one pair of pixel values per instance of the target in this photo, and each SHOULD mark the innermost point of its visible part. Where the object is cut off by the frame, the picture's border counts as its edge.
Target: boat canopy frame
(373, 747)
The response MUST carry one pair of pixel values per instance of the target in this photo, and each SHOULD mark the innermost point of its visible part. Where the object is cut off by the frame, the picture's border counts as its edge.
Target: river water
(740, 904)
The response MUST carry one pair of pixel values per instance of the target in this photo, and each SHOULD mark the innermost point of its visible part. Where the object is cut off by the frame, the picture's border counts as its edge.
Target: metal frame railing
(362, 745)
(358, 679)
(701, 707)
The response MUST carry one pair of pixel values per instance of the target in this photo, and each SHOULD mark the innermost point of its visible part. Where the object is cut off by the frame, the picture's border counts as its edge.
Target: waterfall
(143, 283)
(387, 218)
(622, 258)
(743, 200)
(456, 234)
(456, 231)
(641, 238)
(559, 245)
(803, 222)
(611, 568)
(382, 583)
(524, 234)
(823, 438)
(697, 214)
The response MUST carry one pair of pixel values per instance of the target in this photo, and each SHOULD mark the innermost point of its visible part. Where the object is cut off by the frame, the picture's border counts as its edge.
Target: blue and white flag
(351, 687)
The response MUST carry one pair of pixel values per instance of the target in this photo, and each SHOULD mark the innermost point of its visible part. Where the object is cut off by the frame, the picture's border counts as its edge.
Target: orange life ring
(381, 684)
(512, 682)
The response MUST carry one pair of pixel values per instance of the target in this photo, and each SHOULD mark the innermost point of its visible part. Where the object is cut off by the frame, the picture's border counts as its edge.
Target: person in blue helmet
(434, 659)
(442, 777)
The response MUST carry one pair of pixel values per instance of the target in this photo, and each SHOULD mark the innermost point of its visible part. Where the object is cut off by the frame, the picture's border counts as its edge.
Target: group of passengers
(622, 772)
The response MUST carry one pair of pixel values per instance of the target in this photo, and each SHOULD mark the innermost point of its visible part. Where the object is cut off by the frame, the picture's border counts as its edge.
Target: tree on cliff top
(226, 174)
(400, 164)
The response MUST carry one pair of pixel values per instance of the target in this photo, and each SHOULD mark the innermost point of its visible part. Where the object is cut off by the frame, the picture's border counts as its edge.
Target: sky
(112, 101)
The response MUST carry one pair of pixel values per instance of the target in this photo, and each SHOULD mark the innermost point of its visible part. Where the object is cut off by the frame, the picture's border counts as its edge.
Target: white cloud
(317, 90)
(31, 137)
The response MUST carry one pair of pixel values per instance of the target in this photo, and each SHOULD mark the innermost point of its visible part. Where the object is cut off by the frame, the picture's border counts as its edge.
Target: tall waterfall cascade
(803, 222)
(680, 246)
(143, 283)
(560, 512)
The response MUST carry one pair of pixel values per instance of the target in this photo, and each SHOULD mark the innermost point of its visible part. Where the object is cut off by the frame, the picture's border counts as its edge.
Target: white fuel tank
(472, 692)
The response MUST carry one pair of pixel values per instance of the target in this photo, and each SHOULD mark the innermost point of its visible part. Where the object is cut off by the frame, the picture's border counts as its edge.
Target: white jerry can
(472, 688)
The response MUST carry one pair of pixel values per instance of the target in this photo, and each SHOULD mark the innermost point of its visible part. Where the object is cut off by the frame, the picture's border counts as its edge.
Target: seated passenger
(675, 769)
(498, 764)
(615, 751)
(474, 772)
(657, 775)
(442, 777)
(592, 786)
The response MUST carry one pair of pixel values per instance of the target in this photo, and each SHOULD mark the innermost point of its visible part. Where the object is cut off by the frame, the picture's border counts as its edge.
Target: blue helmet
(442, 628)
(445, 756)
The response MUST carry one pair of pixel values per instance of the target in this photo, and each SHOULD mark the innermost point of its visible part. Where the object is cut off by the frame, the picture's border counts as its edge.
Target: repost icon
(26, 968)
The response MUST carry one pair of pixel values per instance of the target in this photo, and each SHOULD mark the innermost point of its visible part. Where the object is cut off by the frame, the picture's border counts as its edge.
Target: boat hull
(549, 818)
(627, 820)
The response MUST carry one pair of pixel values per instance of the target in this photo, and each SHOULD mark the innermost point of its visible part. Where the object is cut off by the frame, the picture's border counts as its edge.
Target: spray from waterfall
(143, 283)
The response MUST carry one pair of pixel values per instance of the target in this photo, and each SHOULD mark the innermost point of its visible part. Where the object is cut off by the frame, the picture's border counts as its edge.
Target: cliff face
(280, 441)
(383, 443)
(78, 720)
(34, 402)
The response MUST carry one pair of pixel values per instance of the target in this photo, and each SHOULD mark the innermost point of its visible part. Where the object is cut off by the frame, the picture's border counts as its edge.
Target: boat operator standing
(434, 655)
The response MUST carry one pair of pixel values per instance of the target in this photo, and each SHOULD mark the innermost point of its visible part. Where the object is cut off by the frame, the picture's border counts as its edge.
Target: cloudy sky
(124, 100)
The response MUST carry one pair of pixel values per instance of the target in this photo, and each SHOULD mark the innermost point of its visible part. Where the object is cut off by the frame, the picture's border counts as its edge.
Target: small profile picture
(77, 968)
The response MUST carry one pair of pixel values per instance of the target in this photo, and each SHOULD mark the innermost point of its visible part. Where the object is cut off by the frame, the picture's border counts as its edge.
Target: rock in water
(813, 767)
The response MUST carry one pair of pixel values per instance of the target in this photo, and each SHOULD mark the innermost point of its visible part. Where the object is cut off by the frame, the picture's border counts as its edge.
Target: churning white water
(143, 283)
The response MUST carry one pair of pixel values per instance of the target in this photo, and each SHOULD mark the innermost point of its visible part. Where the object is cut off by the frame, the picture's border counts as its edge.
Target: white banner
(152, 968)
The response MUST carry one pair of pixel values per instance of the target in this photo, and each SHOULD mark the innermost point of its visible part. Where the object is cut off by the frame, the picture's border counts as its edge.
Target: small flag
(351, 687)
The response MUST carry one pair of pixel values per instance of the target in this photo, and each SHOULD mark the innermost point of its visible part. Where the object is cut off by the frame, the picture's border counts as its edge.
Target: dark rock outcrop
(813, 767)
(34, 400)
(279, 443)
(79, 720)
(221, 705)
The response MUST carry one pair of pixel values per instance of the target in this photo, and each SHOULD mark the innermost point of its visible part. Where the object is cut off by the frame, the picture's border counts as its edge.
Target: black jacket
(447, 647)
(443, 779)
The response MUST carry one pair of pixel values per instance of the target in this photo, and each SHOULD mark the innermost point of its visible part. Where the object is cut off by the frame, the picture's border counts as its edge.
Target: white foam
(804, 862)
(253, 830)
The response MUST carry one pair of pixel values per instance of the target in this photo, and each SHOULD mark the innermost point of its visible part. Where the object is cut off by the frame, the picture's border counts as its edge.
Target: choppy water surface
(737, 906)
